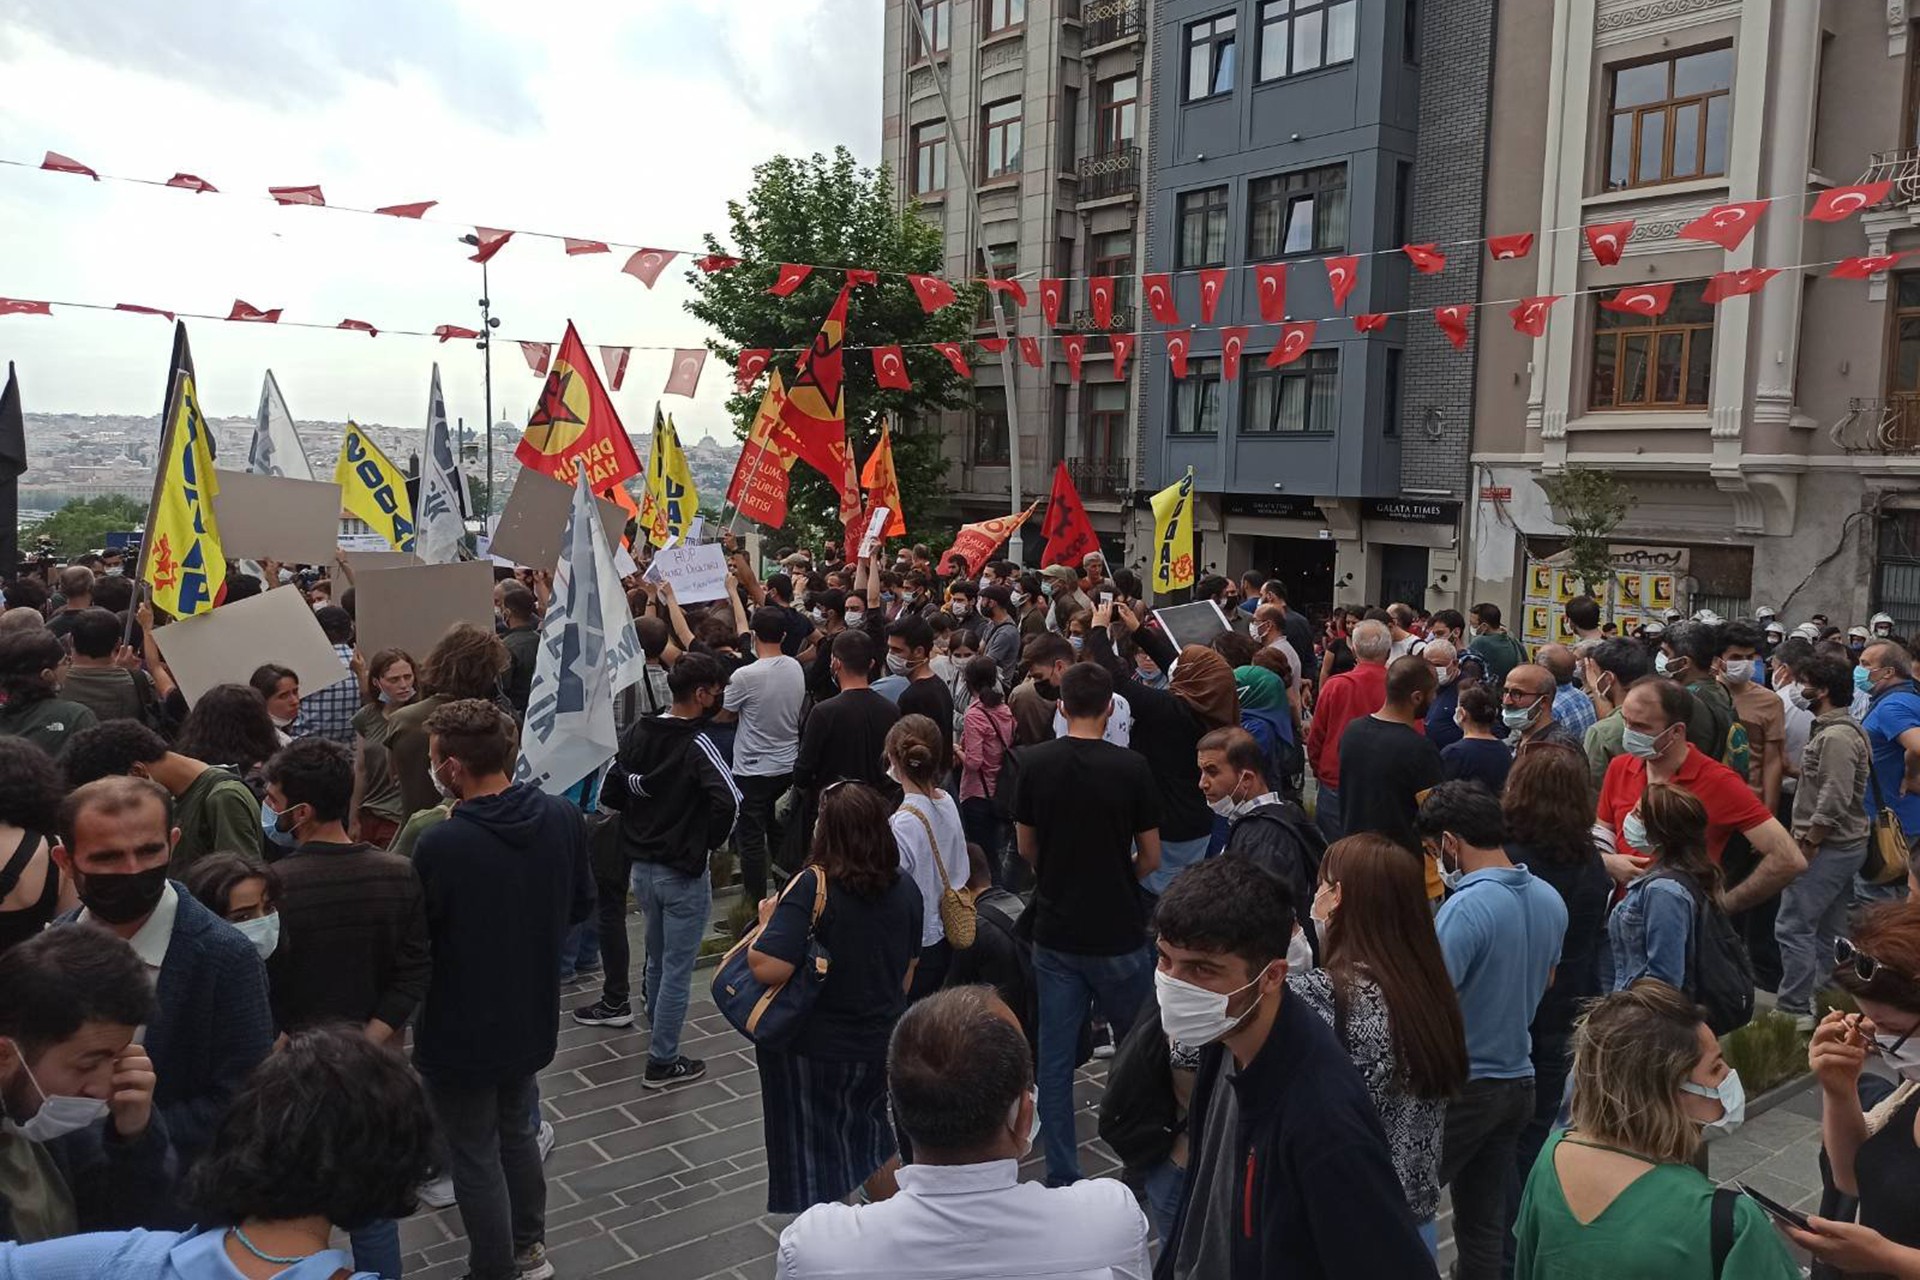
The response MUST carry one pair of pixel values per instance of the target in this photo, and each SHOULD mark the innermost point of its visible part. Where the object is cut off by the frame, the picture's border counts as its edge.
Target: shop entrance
(1403, 575)
(1305, 565)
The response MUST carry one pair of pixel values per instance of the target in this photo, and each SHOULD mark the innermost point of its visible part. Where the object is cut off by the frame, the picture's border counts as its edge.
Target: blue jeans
(676, 907)
(580, 953)
(1068, 984)
(1165, 1182)
(1326, 814)
(1175, 856)
(1813, 911)
(376, 1248)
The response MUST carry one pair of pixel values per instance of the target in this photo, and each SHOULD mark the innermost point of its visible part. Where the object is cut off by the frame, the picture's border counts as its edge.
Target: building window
(1402, 200)
(1410, 31)
(1069, 127)
(1002, 14)
(1654, 362)
(1119, 106)
(1304, 35)
(1000, 149)
(1210, 57)
(1905, 373)
(1003, 261)
(1301, 397)
(930, 158)
(1203, 228)
(1106, 420)
(1303, 212)
(990, 427)
(1392, 400)
(1113, 256)
(1667, 119)
(1196, 398)
(939, 20)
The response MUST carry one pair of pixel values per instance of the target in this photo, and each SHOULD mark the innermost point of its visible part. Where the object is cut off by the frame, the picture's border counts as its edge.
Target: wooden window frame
(1621, 329)
(1107, 110)
(992, 9)
(1670, 107)
(939, 15)
(1013, 129)
(936, 148)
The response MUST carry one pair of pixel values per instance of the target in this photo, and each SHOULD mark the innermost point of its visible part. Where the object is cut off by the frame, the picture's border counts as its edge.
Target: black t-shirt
(799, 627)
(845, 737)
(870, 942)
(931, 698)
(1086, 800)
(1482, 760)
(1587, 890)
(1299, 633)
(1398, 764)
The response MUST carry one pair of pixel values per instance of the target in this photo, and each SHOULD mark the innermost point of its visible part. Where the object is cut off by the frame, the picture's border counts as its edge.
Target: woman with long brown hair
(1650, 931)
(467, 662)
(387, 686)
(1383, 987)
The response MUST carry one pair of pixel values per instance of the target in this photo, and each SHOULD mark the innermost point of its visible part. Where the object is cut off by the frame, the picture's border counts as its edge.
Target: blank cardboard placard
(359, 562)
(277, 518)
(533, 528)
(227, 644)
(1196, 623)
(411, 608)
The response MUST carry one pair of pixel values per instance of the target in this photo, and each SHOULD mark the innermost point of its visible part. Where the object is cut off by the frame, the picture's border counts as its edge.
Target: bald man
(1571, 706)
(1527, 709)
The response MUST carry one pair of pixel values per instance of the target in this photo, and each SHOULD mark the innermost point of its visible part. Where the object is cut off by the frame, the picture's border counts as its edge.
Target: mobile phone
(1106, 597)
(1774, 1209)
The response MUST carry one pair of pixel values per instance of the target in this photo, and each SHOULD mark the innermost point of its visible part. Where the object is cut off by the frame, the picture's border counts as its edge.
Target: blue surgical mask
(1633, 829)
(270, 825)
(1078, 642)
(1862, 680)
(1643, 746)
(1519, 717)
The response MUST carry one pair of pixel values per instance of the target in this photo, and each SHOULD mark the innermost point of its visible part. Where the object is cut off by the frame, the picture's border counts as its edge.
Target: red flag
(976, 543)
(1052, 295)
(859, 277)
(992, 346)
(188, 182)
(1725, 224)
(1530, 317)
(955, 357)
(748, 366)
(492, 240)
(1177, 344)
(1840, 203)
(447, 332)
(1030, 351)
(416, 210)
(57, 163)
(574, 423)
(361, 325)
(813, 418)
(933, 292)
(1426, 258)
(1212, 281)
(1159, 291)
(758, 489)
(791, 277)
(1641, 299)
(1293, 343)
(1067, 528)
(1508, 248)
(646, 264)
(890, 369)
(1863, 268)
(1608, 240)
(614, 361)
(24, 307)
(1100, 299)
(1122, 344)
(577, 247)
(1075, 346)
(145, 311)
(247, 311)
(1370, 322)
(685, 380)
(537, 355)
(715, 263)
(308, 194)
(1012, 288)
(1734, 284)
(1453, 322)
(882, 483)
(1271, 281)
(1342, 275)
(1233, 341)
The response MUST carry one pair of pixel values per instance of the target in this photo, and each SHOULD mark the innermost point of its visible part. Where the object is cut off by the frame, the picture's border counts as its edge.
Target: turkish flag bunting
(537, 354)
(1066, 526)
(1012, 288)
(24, 307)
(577, 247)
(747, 368)
(1030, 351)
(1271, 280)
(448, 332)
(1725, 224)
(1507, 248)
(361, 325)
(992, 346)
(1052, 294)
(155, 311)
(890, 368)
(1608, 240)
(1426, 258)
(955, 357)
(1733, 284)
(1212, 280)
(1453, 322)
(933, 292)
(492, 240)
(1100, 297)
(416, 210)
(1863, 268)
(1530, 317)
(614, 360)
(309, 194)
(685, 379)
(882, 484)
(646, 264)
(1122, 344)
(1177, 344)
(714, 263)
(1641, 299)
(1293, 343)
(1075, 347)
(247, 311)
(1342, 275)
(859, 277)
(1370, 322)
(1233, 342)
(187, 182)
(1159, 291)
(1841, 203)
(791, 277)
(58, 163)
(574, 423)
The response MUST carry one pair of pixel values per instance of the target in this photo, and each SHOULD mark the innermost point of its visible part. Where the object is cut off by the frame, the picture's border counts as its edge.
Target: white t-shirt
(1119, 724)
(916, 855)
(767, 693)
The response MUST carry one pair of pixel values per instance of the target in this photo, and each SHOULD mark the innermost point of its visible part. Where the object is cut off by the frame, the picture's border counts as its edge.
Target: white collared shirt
(971, 1222)
(150, 941)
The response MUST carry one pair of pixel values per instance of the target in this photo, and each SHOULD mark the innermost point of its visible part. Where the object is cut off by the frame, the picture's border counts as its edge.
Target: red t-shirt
(1730, 803)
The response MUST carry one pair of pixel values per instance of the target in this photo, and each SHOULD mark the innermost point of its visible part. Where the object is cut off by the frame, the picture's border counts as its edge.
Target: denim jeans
(376, 1248)
(1477, 1146)
(676, 907)
(1068, 984)
(581, 950)
(758, 795)
(1175, 856)
(495, 1161)
(1326, 814)
(1165, 1182)
(1813, 911)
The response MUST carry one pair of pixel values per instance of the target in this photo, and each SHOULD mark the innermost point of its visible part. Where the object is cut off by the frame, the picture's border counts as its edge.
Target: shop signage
(1411, 510)
(1278, 506)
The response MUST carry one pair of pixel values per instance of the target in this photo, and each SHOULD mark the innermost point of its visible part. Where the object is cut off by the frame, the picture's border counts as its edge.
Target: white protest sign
(872, 535)
(696, 573)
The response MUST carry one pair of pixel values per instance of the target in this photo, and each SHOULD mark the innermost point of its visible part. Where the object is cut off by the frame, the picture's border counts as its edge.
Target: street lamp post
(488, 323)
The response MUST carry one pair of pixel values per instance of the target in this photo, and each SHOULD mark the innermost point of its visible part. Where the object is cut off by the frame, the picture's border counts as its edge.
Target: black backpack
(1719, 970)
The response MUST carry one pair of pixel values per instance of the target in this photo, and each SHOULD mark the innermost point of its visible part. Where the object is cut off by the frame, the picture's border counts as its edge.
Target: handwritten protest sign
(697, 572)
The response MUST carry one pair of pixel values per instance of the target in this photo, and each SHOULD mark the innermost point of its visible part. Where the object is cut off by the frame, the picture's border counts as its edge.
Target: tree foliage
(84, 523)
(1591, 503)
(828, 210)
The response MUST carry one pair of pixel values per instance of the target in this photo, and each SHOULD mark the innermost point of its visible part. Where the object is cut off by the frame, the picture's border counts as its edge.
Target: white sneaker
(533, 1263)
(437, 1194)
(545, 1139)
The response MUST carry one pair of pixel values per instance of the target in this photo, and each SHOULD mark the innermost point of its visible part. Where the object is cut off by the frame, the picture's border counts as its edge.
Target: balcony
(1900, 167)
(1121, 321)
(1109, 174)
(1098, 477)
(1890, 425)
(1110, 21)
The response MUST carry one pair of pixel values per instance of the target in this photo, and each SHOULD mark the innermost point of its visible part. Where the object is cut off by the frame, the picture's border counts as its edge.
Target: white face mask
(1019, 598)
(896, 665)
(1194, 1015)
(1033, 1125)
(263, 933)
(1633, 829)
(58, 1115)
(1739, 671)
(1905, 1059)
(440, 784)
(959, 608)
(1797, 695)
(1299, 952)
(281, 722)
(1732, 1096)
(1451, 878)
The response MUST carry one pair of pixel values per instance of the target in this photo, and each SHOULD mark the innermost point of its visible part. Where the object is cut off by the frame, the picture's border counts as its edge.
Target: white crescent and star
(1847, 202)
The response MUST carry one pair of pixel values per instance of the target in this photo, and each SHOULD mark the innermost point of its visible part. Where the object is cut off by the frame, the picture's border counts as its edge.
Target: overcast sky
(630, 120)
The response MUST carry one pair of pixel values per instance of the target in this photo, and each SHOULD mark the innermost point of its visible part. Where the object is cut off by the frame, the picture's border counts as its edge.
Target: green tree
(84, 523)
(1591, 504)
(828, 210)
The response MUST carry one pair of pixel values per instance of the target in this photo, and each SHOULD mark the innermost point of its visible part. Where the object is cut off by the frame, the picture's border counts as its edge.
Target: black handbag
(771, 1016)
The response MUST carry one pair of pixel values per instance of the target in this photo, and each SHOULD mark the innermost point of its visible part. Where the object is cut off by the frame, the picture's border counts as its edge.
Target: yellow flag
(672, 499)
(374, 489)
(181, 557)
(1173, 535)
(649, 489)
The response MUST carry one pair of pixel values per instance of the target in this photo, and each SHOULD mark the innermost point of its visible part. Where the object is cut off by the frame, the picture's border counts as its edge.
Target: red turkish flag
(1608, 240)
(1508, 248)
(933, 292)
(1865, 267)
(747, 368)
(188, 182)
(890, 368)
(615, 361)
(1370, 322)
(1212, 281)
(1734, 284)
(685, 378)
(1725, 224)
(492, 240)
(1122, 344)
(1530, 317)
(1159, 291)
(1841, 203)
(308, 194)
(1342, 275)
(574, 423)
(1075, 347)
(57, 163)
(1270, 279)
(1012, 288)
(992, 346)
(1100, 298)
(1177, 344)
(361, 325)
(858, 277)
(791, 277)
(1641, 299)
(1426, 258)
(416, 210)
(150, 311)
(1293, 343)
(646, 264)
(24, 307)
(1030, 351)
(1453, 322)
(577, 247)
(247, 311)
(955, 357)
(448, 332)
(1066, 526)
(1053, 294)
(714, 263)
(1233, 341)
(537, 355)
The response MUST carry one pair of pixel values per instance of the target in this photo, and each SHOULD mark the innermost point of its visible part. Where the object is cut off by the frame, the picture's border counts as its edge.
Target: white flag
(588, 653)
(438, 525)
(276, 450)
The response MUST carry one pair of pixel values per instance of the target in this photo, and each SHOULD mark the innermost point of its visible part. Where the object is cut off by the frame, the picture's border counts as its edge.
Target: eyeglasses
(1865, 967)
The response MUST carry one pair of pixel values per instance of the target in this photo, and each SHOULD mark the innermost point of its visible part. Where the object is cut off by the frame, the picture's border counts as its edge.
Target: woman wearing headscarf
(1266, 713)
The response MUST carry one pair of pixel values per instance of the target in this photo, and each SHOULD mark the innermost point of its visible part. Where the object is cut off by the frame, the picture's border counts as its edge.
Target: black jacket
(675, 795)
(1281, 840)
(523, 653)
(1165, 733)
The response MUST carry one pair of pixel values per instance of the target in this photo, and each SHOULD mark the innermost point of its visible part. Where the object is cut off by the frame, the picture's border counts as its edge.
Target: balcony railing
(1887, 425)
(1120, 322)
(1900, 167)
(1110, 20)
(1098, 477)
(1111, 173)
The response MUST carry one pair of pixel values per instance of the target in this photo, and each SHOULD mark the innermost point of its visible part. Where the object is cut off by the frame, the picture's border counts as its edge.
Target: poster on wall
(1565, 586)
(1660, 592)
(1539, 580)
(1539, 623)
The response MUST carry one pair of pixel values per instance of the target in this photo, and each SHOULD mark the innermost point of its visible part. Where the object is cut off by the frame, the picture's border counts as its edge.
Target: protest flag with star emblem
(574, 423)
(180, 557)
(813, 420)
(1066, 526)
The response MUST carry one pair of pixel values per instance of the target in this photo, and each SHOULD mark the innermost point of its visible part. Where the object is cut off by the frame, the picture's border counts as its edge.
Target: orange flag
(813, 422)
(883, 484)
(758, 489)
(574, 423)
(975, 542)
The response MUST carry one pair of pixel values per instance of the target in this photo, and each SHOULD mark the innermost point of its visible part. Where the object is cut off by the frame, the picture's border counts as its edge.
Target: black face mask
(1046, 689)
(122, 897)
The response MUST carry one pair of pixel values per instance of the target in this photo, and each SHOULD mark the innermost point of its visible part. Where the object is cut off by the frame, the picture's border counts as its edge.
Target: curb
(1771, 1098)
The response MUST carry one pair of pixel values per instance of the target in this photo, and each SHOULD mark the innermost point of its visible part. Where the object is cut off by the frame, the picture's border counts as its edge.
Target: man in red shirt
(1657, 750)
(1347, 697)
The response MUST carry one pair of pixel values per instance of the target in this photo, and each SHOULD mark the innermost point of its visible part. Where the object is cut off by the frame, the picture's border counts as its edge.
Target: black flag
(13, 464)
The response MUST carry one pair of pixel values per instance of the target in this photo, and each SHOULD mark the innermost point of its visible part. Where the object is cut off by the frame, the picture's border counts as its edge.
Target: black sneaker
(682, 1069)
(602, 1014)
